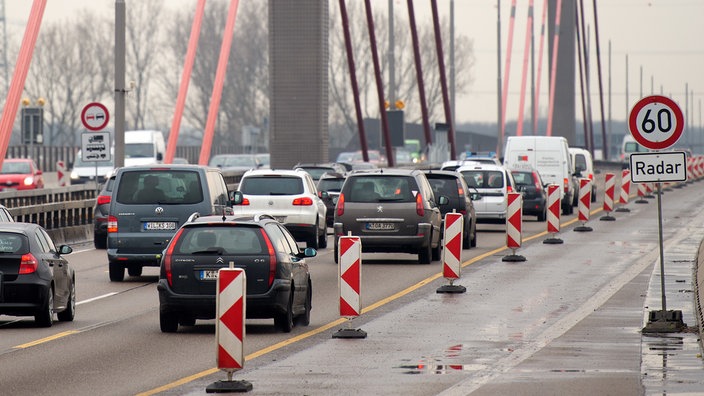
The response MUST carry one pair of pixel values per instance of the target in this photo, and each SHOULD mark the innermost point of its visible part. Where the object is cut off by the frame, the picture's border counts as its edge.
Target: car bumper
(23, 296)
(391, 243)
(200, 306)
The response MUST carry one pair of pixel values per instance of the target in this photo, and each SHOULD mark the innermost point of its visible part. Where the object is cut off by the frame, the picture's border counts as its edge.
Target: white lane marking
(96, 298)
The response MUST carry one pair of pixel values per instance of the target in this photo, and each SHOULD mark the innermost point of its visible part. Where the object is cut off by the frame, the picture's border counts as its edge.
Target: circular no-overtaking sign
(656, 122)
(95, 116)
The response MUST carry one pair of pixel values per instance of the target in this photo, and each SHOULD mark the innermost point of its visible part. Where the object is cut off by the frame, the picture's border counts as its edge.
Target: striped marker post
(452, 252)
(514, 221)
(585, 199)
(230, 307)
(553, 222)
(609, 186)
(641, 194)
(625, 190)
(350, 282)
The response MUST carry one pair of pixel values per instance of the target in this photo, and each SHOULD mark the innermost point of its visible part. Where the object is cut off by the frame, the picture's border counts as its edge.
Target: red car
(20, 174)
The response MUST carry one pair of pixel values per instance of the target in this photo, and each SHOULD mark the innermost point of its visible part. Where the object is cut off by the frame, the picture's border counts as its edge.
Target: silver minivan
(149, 203)
(493, 183)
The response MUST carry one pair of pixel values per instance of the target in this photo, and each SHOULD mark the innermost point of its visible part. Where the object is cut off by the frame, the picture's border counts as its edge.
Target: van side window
(218, 189)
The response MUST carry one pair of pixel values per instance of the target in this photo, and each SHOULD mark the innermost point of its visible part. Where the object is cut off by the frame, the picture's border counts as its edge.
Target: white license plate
(208, 274)
(160, 225)
(380, 226)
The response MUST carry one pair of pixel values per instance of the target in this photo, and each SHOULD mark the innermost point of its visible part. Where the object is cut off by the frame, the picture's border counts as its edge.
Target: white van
(628, 147)
(493, 183)
(144, 147)
(584, 165)
(550, 156)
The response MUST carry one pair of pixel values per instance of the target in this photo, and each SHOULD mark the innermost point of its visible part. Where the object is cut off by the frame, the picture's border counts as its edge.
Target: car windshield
(484, 178)
(221, 240)
(139, 150)
(268, 185)
(13, 243)
(330, 184)
(163, 187)
(382, 188)
(14, 168)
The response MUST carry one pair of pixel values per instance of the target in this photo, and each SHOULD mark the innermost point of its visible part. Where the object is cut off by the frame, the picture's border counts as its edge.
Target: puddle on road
(456, 358)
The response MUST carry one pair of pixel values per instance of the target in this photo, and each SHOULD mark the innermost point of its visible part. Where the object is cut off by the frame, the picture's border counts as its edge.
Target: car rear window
(220, 240)
(160, 186)
(380, 188)
(446, 186)
(523, 178)
(271, 185)
(13, 243)
(330, 184)
(484, 178)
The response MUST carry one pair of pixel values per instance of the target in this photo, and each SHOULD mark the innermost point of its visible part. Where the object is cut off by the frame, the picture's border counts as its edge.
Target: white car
(291, 197)
(493, 183)
(584, 166)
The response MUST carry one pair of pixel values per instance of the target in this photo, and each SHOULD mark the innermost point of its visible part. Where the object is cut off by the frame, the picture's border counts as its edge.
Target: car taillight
(537, 183)
(112, 223)
(340, 206)
(591, 176)
(167, 257)
(272, 257)
(28, 264)
(303, 201)
(566, 185)
(419, 205)
(103, 199)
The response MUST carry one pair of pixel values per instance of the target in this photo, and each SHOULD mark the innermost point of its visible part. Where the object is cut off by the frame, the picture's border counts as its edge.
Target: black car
(100, 213)
(452, 185)
(35, 280)
(332, 183)
(531, 185)
(278, 281)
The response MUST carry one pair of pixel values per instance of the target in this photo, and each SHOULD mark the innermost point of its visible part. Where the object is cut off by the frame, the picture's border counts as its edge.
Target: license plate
(208, 274)
(160, 225)
(380, 226)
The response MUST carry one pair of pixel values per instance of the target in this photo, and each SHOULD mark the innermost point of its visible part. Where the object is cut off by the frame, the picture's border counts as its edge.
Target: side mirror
(475, 196)
(65, 249)
(159, 156)
(236, 198)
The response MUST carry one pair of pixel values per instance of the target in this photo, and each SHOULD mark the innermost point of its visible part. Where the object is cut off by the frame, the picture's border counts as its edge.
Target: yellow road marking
(46, 339)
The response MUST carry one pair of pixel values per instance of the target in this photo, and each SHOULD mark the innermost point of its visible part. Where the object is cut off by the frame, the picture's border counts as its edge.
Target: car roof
(283, 172)
(445, 173)
(17, 226)
(385, 171)
(158, 167)
(481, 167)
(229, 219)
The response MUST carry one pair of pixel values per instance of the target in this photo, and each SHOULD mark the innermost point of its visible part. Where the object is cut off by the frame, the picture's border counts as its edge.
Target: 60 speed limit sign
(656, 122)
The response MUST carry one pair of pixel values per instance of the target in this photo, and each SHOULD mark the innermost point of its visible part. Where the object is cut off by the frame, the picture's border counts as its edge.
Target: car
(583, 167)
(392, 210)
(85, 170)
(235, 162)
(278, 286)
(332, 184)
(493, 183)
(20, 174)
(101, 211)
(36, 279)
(149, 203)
(532, 187)
(317, 170)
(453, 165)
(5, 215)
(453, 186)
(291, 197)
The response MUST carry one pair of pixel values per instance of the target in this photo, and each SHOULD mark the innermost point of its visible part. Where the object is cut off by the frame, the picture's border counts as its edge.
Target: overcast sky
(663, 40)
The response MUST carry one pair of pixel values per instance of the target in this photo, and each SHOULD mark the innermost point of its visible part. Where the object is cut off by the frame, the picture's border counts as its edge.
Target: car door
(58, 264)
(299, 267)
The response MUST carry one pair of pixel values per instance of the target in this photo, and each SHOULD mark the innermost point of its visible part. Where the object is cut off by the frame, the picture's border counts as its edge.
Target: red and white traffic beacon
(657, 122)
(553, 223)
(514, 222)
(585, 199)
(230, 308)
(610, 184)
(452, 252)
(350, 283)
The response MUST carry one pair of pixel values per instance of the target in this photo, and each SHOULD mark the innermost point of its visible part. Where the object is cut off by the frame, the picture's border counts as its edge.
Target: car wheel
(187, 321)
(334, 255)
(100, 242)
(466, 237)
(134, 270)
(284, 321)
(313, 239)
(304, 319)
(117, 272)
(424, 255)
(323, 239)
(45, 317)
(473, 241)
(69, 313)
(435, 252)
(543, 214)
(168, 322)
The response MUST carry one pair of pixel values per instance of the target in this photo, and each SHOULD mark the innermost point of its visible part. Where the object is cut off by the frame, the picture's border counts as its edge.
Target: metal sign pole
(662, 254)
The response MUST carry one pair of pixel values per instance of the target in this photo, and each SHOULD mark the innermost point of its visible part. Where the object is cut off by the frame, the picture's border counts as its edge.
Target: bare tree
(342, 104)
(71, 67)
(144, 49)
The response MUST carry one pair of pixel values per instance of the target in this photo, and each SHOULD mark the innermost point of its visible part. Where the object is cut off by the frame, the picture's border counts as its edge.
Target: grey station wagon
(393, 211)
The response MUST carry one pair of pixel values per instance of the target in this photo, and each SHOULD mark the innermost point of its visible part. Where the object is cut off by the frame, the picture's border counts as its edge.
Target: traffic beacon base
(513, 257)
(665, 322)
(229, 386)
(349, 332)
(451, 288)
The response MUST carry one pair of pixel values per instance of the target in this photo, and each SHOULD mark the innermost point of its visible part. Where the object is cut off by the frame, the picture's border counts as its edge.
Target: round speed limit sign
(656, 122)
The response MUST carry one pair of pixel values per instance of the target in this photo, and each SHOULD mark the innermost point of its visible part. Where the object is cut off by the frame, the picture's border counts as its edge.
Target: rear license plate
(208, 274)
(160, 225)
(380, 226)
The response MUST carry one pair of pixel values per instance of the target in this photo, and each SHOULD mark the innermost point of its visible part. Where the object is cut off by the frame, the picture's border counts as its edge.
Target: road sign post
(656, 122)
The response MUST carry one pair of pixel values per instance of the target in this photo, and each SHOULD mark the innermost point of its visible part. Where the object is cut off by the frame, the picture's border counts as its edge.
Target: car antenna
(223, 215)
